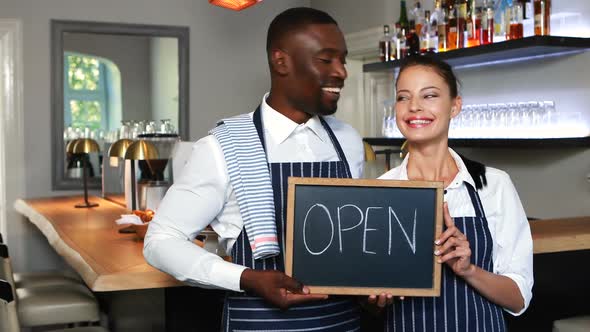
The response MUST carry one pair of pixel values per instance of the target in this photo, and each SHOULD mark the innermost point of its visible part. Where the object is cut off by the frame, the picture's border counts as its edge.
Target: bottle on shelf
(461, 14)
(428, 38)
(417, 16)
(516, 25)
(542, 10)
(442, 25)
(453, 30)
(487, 23)
(403, 16)
(401, 49)
(413, 41)
(437, 13)
(386, 52)
(473, 28)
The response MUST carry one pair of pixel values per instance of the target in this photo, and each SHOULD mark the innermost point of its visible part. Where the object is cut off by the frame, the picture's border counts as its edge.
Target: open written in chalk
(364, 237)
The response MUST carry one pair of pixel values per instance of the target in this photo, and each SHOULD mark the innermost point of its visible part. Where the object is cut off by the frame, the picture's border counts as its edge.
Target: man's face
(318, 54)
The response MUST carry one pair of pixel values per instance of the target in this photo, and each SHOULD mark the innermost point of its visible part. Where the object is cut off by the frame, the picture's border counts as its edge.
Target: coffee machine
(153, 171)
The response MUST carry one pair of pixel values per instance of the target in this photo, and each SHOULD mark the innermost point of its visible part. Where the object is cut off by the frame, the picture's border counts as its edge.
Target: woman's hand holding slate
(277, 288)
(454, 248)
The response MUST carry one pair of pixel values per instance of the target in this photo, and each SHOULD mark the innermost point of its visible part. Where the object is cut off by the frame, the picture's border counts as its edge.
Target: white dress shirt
(202, 195)
(507, 221)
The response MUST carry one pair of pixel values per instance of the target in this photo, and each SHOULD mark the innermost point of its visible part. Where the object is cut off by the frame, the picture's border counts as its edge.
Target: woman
(486, 246)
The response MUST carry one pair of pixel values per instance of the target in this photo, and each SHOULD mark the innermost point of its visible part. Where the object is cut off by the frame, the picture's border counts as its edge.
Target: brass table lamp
(84, 146)
(139, 150)
(119, 148)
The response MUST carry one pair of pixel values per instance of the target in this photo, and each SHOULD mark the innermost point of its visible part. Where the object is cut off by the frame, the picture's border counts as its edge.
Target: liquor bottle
(403, 16)
(413, 40)
(442, 26)
(437, 14)
(417, 16)
(507, 20)
(428, 38)
(542, 17)
(474, 37)
(401, 49)
(516, 26)
(452, 32)
(487, 23)
(461, 14)
(386, 52)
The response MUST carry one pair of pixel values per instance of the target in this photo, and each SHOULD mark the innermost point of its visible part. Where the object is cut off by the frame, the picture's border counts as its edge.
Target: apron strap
(475, 200)
(257, 118)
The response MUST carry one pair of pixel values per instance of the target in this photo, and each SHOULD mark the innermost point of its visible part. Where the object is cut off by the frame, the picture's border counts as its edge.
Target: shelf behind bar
(510, 50)
(505, 143)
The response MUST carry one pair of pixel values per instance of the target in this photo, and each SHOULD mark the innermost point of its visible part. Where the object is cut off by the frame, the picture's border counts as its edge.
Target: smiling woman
(486, 248)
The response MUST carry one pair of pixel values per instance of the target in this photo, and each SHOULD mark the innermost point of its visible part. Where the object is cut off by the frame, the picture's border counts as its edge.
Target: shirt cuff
(525, 292)
(228, 275)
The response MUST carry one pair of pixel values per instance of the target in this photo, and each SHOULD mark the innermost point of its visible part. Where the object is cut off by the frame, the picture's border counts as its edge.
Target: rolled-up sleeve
(514, 257)
(195, 200)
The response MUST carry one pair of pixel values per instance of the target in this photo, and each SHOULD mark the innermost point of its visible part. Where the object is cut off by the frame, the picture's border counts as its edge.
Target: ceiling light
(234, 4)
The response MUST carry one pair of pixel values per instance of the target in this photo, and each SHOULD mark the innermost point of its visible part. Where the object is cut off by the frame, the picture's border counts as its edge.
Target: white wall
(228, 75)
(164, 84)
(551, 182)
(354, 15)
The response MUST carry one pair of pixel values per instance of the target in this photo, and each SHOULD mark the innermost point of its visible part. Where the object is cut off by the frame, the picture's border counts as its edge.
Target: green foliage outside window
(85, 94)
(86, 114)
(83, 73)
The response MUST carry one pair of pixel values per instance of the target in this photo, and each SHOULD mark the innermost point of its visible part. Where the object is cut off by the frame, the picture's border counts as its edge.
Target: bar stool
(45, 278)
(9, 318)
(49, 305)
(572, 324)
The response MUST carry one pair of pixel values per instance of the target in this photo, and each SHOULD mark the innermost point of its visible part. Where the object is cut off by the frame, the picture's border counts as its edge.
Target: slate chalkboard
(364, 237)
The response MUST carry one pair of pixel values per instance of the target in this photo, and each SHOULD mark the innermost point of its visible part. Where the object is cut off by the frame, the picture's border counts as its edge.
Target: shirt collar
(280, 127)
(462, 176)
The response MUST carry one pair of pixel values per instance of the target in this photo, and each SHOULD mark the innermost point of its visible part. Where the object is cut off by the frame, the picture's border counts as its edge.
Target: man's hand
(277, 288)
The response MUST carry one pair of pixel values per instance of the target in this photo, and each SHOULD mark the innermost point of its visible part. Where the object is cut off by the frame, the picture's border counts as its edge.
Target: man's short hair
(293, 19)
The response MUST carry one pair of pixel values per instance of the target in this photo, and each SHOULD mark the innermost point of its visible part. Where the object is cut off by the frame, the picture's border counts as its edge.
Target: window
(86, 91)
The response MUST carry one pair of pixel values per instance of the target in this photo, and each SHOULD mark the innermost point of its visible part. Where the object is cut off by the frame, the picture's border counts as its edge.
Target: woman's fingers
(447, 215)
(450, 244)
(457, 253)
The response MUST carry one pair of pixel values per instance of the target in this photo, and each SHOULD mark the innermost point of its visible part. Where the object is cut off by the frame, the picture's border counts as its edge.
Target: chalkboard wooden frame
(352, 289)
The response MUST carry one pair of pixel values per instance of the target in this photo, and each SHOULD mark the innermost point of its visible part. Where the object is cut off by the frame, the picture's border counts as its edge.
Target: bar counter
(88, 239)
(90, 242)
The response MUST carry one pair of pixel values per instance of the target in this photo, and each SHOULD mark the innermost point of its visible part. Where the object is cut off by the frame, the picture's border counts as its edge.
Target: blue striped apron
(245, 312)
(459, 307)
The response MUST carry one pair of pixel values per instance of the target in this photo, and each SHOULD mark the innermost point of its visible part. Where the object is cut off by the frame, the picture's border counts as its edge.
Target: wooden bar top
(107, 261)
(563, 234)
(89, 240)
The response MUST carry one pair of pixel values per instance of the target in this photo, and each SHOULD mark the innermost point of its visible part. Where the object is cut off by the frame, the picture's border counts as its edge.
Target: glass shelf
(568, 142)
(503, 52)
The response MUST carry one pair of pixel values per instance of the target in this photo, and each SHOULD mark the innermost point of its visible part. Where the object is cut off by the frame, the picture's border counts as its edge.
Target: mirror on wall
(106, 76)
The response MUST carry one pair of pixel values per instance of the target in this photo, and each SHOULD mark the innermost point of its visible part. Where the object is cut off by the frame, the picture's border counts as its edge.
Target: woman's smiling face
(424, 106)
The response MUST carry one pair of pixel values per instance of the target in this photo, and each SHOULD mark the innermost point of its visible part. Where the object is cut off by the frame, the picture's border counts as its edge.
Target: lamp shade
(234, 4)
(141, 150)
(119, 148)
(70, 146)
(85, 145)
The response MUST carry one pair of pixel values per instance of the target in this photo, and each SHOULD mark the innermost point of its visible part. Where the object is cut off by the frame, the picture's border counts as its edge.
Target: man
(236, 181)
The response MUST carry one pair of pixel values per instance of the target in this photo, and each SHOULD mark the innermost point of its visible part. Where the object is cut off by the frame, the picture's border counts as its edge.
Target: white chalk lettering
(413, 242)
(365, 229)
(305, 225)
(340, 229)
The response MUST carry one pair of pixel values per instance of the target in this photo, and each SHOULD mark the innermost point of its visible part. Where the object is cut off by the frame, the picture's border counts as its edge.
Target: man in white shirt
(290, 134)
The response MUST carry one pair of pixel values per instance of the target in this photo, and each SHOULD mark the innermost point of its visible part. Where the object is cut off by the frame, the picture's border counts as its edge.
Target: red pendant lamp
(234, 4)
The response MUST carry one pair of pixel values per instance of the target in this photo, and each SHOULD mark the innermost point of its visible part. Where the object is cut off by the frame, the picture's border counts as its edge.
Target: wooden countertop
(89, 241)
(107, 261)
(563, 234)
